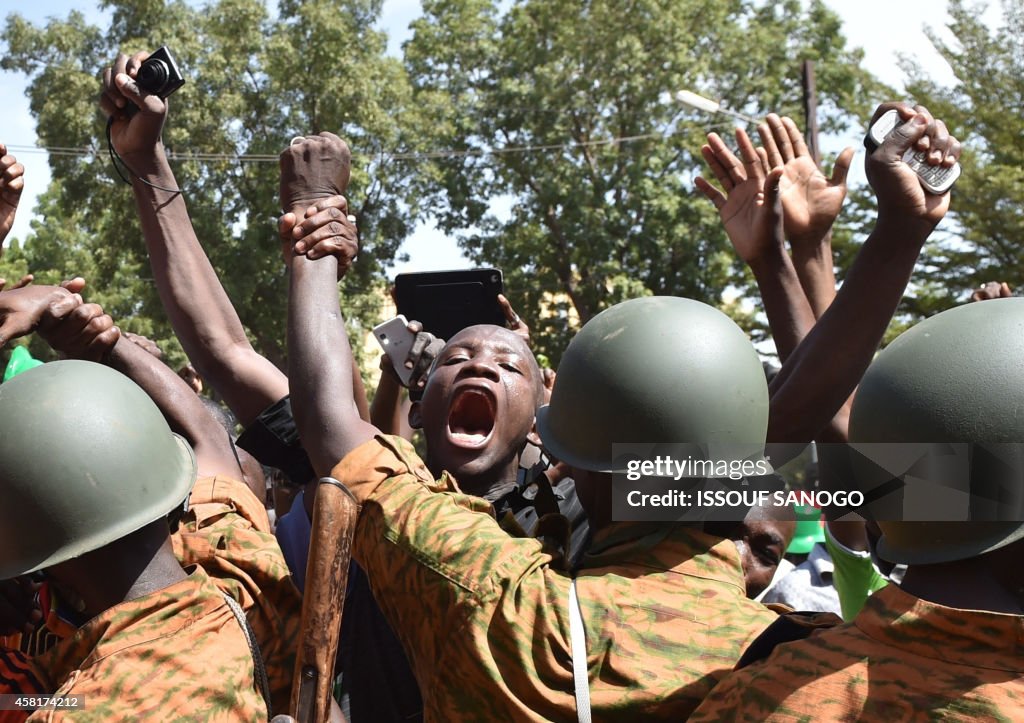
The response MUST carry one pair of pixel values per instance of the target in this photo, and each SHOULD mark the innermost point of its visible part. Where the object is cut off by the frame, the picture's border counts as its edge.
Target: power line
(397, 155)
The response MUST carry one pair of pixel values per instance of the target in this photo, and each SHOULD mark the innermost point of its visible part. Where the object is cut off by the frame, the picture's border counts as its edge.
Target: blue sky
(882, 41)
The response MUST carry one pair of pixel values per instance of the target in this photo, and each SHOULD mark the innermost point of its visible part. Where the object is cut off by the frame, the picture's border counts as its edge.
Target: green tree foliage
(985, 109)
(253, 82)
(981, 238)
(602, 207)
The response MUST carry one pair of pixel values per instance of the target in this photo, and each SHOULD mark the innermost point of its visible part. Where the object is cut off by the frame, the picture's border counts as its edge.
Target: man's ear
(532, 437)
(416, 415)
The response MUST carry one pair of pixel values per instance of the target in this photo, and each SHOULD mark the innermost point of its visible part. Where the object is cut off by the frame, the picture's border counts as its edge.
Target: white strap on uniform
(254, 649)
(578, 645)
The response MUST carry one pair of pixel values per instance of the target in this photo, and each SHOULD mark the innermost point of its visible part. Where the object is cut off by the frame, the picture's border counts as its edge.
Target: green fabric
(855, 577)
(21, 361)
(809, 530)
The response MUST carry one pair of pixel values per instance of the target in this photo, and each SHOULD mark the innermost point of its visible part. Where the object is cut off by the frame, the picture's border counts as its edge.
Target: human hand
(19, 609)
(24, 310)
(420, 359)
(74, 285)
(742, 206)
(810, 201)
(900, 195)
(144, 342)
(131, 134)
(192, 378)
(548, 375)
(12, 183)
(313, 168)
(326, 229)
(20, 284)
(992, 290)
(86, 332)
(515, 322)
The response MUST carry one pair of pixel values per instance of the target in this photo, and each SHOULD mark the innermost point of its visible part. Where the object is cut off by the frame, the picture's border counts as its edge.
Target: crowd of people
(148, 575)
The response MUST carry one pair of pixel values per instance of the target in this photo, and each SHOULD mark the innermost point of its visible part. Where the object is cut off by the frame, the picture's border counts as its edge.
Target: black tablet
(446, 302)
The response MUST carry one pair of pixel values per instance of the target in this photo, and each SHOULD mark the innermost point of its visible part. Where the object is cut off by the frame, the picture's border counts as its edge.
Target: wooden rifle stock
(335, 513)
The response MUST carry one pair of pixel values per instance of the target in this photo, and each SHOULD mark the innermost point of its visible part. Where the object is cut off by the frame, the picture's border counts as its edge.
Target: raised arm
(754, 225)
(820, 375)
(810, 202)
(794, 293)
(25, 310)
(12, 183)
(196, 303)
(319, 356)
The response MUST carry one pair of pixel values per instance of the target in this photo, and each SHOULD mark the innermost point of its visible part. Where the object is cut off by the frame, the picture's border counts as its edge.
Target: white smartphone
(396, 340)
(934, 179)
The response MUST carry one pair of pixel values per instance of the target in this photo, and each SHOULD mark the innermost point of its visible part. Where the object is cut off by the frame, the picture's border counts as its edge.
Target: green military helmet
(85, 459)
(658, 370)
(21, 361)
(955, 377)
(809, 531)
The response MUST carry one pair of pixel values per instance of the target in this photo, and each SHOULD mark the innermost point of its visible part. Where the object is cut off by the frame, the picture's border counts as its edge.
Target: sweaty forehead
(490, 335)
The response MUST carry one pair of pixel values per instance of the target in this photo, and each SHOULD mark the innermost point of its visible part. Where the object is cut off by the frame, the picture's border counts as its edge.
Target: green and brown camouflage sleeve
(435, 557)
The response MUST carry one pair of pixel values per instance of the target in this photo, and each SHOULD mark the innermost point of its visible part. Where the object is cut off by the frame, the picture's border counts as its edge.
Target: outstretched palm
(744, 217)
(742, 207)
(810, 201)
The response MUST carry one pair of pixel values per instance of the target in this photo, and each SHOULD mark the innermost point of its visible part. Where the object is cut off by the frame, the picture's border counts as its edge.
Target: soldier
(92, 515)
(225, 530)
(947, 641)
(377, 681)
(489, 633)
(495, 640)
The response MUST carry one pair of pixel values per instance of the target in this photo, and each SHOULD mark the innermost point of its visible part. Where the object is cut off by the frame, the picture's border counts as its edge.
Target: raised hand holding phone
(410, 350)
(936, 172)
(901, 196)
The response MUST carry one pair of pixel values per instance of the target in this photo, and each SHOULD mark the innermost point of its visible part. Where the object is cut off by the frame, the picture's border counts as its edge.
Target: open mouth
(471, 418)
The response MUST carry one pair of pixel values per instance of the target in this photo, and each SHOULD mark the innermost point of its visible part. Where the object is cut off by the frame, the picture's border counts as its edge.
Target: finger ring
(296, 139)
(351, 218)
(515, 319)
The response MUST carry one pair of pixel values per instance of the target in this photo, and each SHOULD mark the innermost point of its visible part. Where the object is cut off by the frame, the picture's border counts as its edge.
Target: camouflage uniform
(485, 620)
(204, 669)
(177, 654)
(902, 658)
(226, 531)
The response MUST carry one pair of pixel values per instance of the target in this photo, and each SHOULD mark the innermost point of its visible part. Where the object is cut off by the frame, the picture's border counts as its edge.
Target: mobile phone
(396, 340)
(934, 179)
(446, 302)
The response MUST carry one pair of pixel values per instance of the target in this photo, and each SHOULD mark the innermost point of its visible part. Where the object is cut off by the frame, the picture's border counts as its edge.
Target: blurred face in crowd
(479, 402)
(762, 540)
